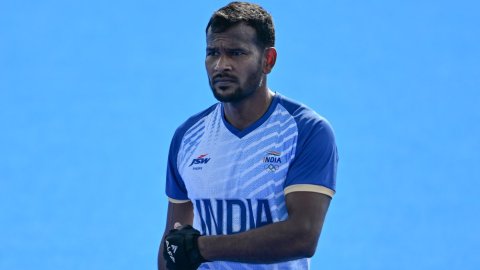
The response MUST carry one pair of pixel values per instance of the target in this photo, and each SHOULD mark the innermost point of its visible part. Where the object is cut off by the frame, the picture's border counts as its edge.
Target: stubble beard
(254, 82)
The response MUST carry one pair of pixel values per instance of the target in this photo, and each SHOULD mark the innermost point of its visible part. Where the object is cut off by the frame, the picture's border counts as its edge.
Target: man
(254, 173)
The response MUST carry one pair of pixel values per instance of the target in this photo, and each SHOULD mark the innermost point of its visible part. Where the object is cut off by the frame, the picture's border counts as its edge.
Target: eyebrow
(211, 48)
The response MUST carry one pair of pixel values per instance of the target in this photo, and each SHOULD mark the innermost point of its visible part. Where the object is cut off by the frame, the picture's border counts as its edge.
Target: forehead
(237, 35)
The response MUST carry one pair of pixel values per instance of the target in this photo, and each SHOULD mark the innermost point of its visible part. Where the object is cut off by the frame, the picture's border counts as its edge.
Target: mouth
(223, 85)
(223, 80)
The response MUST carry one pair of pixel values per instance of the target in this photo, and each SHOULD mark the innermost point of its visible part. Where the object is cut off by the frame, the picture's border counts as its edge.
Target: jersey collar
(242, 133)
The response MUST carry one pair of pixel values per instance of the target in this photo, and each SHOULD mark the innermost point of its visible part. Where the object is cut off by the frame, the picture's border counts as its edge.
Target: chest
(221, 165)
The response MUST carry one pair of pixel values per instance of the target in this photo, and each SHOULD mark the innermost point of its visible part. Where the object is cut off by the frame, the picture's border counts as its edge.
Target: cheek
(208, 67)
(252, 66)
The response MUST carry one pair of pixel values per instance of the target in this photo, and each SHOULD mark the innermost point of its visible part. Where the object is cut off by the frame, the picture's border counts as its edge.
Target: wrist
(202, 247)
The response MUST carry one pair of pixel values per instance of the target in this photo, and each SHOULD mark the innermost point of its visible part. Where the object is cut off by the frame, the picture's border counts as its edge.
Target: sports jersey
(237, 179)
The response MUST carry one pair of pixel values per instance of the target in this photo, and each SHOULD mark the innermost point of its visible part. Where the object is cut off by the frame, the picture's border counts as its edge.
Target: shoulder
(193, 121)
(305, 117)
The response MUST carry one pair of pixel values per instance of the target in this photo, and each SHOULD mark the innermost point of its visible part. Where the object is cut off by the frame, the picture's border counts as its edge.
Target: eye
(237, 52)
(212, 52)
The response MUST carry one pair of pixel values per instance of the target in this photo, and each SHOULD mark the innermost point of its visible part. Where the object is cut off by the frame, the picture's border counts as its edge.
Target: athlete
(249, 179)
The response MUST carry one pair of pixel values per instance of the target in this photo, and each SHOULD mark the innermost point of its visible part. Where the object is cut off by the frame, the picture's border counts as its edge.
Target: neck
(244, 113)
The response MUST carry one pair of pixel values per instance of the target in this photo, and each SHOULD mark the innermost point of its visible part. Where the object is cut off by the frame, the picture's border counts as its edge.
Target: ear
(270, 55)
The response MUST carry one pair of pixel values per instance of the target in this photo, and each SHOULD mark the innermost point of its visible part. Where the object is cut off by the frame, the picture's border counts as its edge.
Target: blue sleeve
(175, 187)
(316, 157)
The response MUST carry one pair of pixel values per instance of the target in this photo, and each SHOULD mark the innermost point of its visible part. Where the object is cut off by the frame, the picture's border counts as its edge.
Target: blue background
(92, 91)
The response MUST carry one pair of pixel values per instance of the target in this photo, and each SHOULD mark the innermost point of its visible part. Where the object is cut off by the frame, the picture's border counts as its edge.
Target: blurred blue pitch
(92, 91)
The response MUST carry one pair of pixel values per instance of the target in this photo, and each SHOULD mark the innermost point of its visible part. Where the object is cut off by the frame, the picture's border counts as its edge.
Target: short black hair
(248, 13)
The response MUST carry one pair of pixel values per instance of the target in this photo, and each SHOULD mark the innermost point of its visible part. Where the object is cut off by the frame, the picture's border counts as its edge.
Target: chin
(225, 98)
(227, 95)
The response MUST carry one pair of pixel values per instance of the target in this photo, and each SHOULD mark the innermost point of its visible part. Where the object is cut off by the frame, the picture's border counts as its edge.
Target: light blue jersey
(237, 180)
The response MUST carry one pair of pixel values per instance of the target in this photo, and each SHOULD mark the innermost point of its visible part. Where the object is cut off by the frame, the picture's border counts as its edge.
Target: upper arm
(306, 212)
(311, 178)
(314, 166)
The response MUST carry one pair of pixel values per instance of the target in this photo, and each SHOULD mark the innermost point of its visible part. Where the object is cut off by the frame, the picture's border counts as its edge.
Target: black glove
(180, 249)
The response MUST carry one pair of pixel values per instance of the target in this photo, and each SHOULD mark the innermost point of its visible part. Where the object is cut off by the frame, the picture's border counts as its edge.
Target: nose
(222, 64)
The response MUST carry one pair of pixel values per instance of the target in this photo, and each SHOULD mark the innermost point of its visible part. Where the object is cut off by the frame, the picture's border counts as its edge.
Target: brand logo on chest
(200, 160)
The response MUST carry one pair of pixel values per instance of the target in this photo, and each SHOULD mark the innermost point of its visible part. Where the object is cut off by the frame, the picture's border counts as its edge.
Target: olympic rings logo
(271, 167)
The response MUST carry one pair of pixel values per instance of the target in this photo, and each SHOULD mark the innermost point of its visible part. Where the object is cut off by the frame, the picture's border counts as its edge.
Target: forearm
(177, 212)
(281, 241)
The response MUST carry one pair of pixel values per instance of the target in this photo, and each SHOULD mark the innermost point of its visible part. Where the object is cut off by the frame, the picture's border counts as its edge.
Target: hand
(181, 248)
